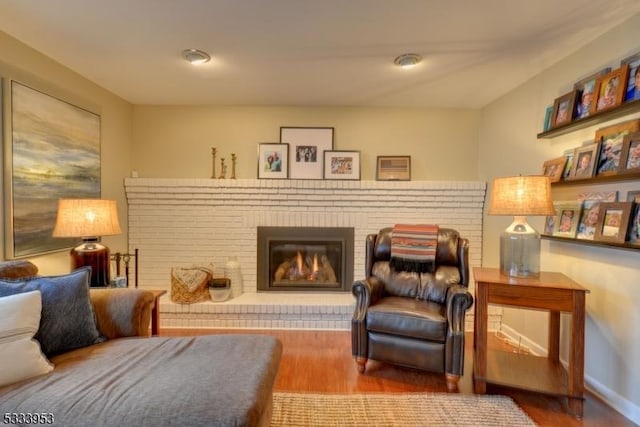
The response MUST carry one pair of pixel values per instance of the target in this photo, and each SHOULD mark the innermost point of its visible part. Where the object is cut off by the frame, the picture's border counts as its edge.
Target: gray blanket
(217, 380)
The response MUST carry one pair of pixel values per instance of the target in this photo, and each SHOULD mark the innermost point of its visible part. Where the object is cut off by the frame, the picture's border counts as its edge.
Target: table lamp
(88, 219)
(520, 243)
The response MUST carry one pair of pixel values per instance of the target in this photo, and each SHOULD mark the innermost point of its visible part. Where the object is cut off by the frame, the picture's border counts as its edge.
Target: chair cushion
(408, 317)
(433, 287)
(68, 320)
(398, 283)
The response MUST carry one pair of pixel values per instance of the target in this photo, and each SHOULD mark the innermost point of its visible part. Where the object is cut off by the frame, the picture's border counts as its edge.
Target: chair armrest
(459, 300)
(367, 292)
(122, 312)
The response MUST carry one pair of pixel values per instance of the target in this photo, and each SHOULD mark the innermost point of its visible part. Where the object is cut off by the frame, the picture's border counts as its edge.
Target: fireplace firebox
(298, 259)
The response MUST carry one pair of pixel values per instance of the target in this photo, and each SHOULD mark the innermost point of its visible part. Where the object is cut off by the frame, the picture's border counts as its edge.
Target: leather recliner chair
(413, 319)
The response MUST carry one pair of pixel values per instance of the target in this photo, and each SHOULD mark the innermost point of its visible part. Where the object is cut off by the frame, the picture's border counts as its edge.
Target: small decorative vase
(232, 272)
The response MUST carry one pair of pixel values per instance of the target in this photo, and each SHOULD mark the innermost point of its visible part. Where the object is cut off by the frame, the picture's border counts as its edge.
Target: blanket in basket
(413, 247)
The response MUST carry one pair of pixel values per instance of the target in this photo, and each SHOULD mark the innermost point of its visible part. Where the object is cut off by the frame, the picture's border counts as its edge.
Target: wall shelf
(603, 116)
(624, 246)
(602, 179)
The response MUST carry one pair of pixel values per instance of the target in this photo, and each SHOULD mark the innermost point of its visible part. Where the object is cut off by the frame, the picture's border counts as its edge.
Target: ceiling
(311, 52)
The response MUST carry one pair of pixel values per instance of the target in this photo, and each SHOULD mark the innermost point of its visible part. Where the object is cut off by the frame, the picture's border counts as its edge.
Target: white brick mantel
(179, 222)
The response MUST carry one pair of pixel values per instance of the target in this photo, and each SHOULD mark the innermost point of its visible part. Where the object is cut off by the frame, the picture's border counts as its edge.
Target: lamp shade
(521, 195)
(86, 218)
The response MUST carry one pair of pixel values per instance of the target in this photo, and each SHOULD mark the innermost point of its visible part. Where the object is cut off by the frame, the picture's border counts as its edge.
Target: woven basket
(196, 289)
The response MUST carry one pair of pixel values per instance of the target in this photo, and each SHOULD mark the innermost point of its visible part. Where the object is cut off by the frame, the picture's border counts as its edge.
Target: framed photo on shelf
(567, 217)
(633, 81)
(613, 222)
(393, 168)
(549, 224)
(307, 146)
(554, 168)
(587, 89)
(567, 166)
(612, 88)
(611, 138)
(589, 219)
(341, 164)
(584, 161)
(273, 160)
(630, 155)
(563, 109)
(634, 226)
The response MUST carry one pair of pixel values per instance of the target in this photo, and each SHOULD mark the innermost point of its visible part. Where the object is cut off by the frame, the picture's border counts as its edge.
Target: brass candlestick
(223, 167)
(233, 166)
(213, 162)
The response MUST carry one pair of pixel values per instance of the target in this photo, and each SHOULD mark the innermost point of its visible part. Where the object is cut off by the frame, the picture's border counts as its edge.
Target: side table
(155, 311)
(553, 292)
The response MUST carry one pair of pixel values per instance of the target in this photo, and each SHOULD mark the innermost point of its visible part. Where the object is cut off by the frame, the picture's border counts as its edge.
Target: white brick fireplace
(180, 222)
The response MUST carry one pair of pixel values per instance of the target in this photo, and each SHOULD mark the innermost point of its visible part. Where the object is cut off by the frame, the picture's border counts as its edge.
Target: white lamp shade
(86, 218)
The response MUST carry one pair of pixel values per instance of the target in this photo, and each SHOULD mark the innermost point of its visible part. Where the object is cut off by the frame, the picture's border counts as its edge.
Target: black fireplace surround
(305, 259)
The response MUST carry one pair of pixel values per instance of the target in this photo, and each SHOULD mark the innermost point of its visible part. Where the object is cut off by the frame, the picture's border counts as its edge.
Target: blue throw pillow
(68, 320)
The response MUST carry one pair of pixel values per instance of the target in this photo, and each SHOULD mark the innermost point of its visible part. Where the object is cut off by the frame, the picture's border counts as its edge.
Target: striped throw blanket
(413, 247)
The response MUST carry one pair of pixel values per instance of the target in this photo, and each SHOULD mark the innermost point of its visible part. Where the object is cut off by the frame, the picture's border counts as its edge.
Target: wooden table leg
(576, 356)
(480, 340)
(554, 336)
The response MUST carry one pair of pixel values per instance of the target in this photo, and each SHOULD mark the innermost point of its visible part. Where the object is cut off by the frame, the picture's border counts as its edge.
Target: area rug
(396, 409)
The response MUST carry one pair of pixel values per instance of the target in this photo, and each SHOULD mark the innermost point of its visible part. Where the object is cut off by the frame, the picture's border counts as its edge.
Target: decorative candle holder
(213, 163)
(223, 169)
(233, 166)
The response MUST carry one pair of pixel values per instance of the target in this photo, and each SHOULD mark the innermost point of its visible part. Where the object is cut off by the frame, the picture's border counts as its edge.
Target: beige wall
(23, 64)
(176, 142)
(508, 146)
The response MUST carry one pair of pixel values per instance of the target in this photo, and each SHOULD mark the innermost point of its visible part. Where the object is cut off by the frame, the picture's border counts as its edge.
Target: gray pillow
(67, 320)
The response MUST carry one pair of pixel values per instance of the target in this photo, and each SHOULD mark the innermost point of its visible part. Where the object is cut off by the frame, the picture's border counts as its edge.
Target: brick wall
(178, 222)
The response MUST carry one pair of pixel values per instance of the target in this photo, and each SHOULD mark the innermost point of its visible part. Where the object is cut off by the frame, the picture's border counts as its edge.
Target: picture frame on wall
(633, 81)
(306, 147)
(563, 109)
(52, 152)
(342, 165)
(611, 89)
(393, 168)
(611, 139)
(584, 161)
(567, 218)
(634, 226)
(554, 168)
(273, 160)
(630, 154)
(613, 222)
(587, 93)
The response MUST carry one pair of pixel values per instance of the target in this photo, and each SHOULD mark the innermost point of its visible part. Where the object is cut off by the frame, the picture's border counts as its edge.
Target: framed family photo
(630, 155)
(567, 217)
(584, 161)
(611, 139)
(342, 165)
(563, 109)
(393, 168)
(611, 88)
(587, 91)
(633, 81)
(613, 222)
(273, 160)
(634, 226)
(307, 146)
(554, 168)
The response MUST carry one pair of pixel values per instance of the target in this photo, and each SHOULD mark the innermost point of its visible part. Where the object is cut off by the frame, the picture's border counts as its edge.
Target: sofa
(101, 367)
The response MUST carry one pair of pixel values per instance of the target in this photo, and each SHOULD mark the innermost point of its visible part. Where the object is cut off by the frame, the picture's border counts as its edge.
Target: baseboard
(625, 407)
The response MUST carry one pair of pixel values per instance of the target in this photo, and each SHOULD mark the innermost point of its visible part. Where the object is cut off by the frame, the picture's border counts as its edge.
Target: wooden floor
(320, 361)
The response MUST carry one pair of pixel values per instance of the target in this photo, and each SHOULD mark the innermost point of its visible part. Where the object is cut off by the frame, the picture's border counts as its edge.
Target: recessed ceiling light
(196, 56)
(407, 60)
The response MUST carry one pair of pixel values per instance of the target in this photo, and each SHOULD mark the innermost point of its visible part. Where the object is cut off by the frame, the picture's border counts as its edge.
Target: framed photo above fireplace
(273, 160)
(307, 146)
(393, 168)
(342, 165)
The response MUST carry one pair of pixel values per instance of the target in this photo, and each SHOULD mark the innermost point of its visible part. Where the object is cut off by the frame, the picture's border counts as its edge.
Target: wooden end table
(553, 292)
